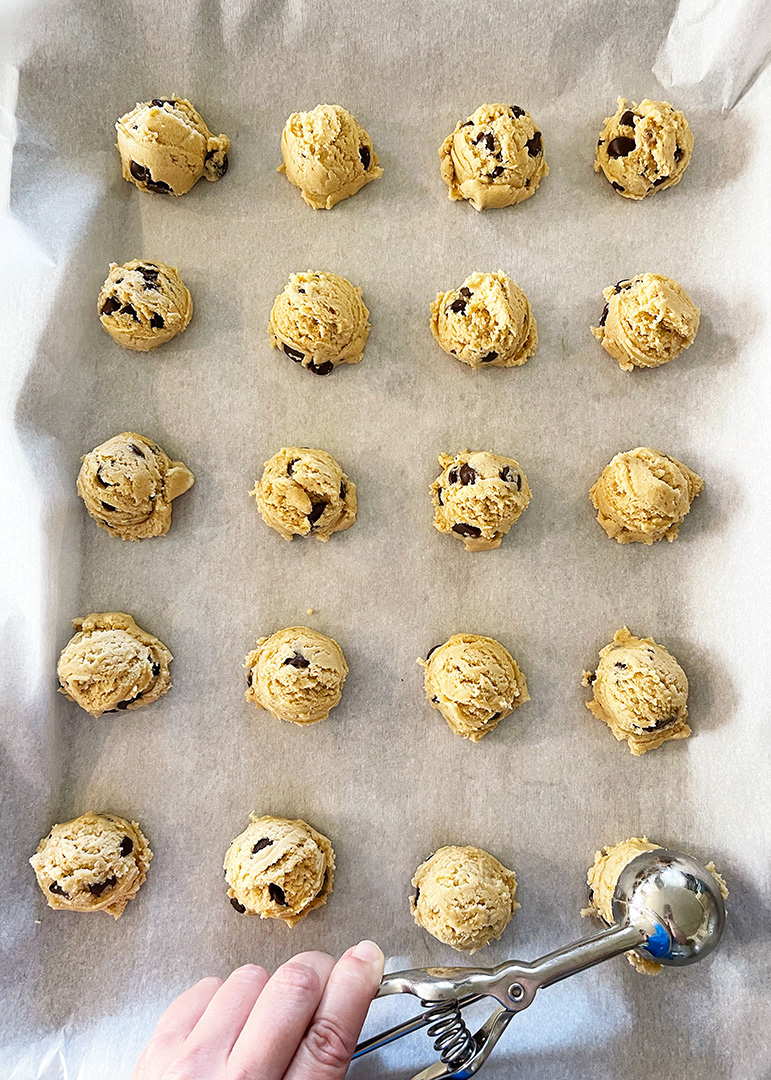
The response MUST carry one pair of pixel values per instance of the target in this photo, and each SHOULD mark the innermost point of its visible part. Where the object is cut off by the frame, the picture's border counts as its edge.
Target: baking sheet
(383, 777)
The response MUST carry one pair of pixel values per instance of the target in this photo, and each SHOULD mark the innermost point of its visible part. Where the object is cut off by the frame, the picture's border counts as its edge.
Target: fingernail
(371, 954)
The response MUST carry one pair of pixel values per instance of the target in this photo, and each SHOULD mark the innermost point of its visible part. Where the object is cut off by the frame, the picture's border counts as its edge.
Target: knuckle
(327, 1046)
(298, 978)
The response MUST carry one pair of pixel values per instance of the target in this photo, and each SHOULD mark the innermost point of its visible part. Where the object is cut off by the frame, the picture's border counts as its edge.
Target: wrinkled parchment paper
(383, 777)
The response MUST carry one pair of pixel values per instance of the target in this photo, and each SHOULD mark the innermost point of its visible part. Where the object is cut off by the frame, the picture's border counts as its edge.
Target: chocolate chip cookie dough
(474, 682)
(463, 897)
(166, 147)
(144, 304)
(304, 492)
(478, 496)
(296, 674)
(327, 155)
(494, 158)
(602, 878)
(320, 321)
(640, 691)
(128, 484)
(96, 862)
(279, 869)
(643, 496)
(647, 321)
(644, 148)
(111, 663)
(487, 322)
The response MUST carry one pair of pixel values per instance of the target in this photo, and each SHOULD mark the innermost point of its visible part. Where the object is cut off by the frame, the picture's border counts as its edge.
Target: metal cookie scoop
(667, 907)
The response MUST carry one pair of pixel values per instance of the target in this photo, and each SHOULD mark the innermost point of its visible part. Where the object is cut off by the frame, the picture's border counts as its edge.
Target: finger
(174, 1027)
(213, 1037)
(278, 1021)
(326, 1050)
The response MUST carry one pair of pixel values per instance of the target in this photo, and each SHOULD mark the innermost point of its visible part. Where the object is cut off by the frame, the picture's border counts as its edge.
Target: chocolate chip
(495, 716)
(591, 678)
(431, 651)
(604, 315)
(678, 153)
(262, 843)
(277, 894)
(238, 907)
(487, 138)
(107, 506)
(139, 172)
(57, 890)
(628, 119)
(620, 665)
(534, 145)
(527, 181)
(221, 167)
(317, 509)
(101, 886)
(293, 354)
(126, 846)
(452, 476)
(364, 154)
(516, 112)
(510, 477)
(149, 273)
(160, 102)
(435, 700)
(135, 450)
(621, 146)
(439, 496)
(160, 186)
(416, 896)
(100, 480)
(496, 172)
(489, 357)
(465, 291)
(302, 291)
(463, 529)
(298, 660)
(321, 369)
(620, 286)
(659, 180)
(249, 677)
(130, 701)
(342, 490)
(618, 187)
(600, 142)
(666, 722)
(156, 669)
(467, 474)
(458, 306)
(157, 321)
(110, 306)
(127, 309)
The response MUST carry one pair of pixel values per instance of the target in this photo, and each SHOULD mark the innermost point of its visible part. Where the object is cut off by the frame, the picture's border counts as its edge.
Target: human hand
(302, 1023)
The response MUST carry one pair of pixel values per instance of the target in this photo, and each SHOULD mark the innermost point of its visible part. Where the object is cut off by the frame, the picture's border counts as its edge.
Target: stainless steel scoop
(667, 907)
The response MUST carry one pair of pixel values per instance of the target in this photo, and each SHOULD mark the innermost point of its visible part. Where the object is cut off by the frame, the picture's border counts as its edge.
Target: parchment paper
(383, 777)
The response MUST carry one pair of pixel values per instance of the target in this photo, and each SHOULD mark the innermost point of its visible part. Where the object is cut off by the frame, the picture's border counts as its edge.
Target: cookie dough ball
(327, 155)
(647, 321)
(279, 869)
(603, 876)
(494, 158)
(143, 305)
(474, 683)
(96, 862)
(640, 691)
(111, 663)
(486, 322)
(296, 674)
(644, 148)
(643, 496)
(463, 897)
(128, 484)
(478, 496)
(320, 321)
(304, 492)
(166, 147)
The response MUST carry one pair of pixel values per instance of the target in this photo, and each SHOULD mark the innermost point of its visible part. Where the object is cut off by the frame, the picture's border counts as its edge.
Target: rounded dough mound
(603, 876)
(128, 484)
(111, 663)
(647, 321)
(640, 691)
(143, 305)
(494, 158)
(304, 492)
(474, 682)
(487, 322)
(166, 147)
(464, 897)
(478, 496)
(96, 862)
(327, 155)
(296, 674)
(320, 321)
(279, 869)
(643, 496)
(644, 148)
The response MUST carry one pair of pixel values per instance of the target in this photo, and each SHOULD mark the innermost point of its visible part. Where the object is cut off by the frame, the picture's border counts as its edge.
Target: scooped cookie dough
(320, 321)
(474, 682)
(279, 869)
(296, 674)
(603, 876)
(96, 862)
(644, 148)
(166, 147)
(647, 321)
(143, 305)
(640, 691)
(111, 663)
(304, 492)
(487, 322)
(494, 158)
(128, 484)
(643, 496)
(463, 897)
(327, 155)
(478, 496)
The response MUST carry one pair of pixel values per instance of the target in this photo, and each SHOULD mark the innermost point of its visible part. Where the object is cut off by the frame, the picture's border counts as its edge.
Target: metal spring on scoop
(452, 1039)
